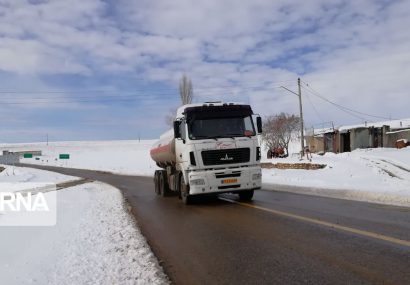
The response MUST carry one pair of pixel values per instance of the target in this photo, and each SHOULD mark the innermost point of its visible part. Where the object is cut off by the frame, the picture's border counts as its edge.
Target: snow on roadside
(95, 241)
(374, 175)
(363, 175)
(22, 174)
(13, 179)
(124, 157)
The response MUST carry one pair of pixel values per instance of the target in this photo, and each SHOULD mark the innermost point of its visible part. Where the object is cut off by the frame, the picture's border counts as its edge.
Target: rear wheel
(156, 182)
(163, 183)
(246, 195)
(184, 191)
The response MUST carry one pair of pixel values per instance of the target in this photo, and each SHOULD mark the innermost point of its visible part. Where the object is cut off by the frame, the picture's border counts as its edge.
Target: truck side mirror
(177, 133)
(259, 124)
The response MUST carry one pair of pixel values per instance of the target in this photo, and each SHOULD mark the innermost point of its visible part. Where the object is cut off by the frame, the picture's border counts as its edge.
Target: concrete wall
(328, 142)
(363, 137)
(392, 137)
(360, 138)
(315, 144)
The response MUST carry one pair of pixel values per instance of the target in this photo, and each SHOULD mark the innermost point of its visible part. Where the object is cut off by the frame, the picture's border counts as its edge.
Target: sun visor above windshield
(225, 111)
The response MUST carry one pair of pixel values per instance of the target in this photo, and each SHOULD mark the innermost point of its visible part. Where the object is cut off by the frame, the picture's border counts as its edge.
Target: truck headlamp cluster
(197, 182)
(256, 176)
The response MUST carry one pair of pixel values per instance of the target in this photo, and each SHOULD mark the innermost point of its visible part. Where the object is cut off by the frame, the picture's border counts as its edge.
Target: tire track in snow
(398, 166)
(390, 168)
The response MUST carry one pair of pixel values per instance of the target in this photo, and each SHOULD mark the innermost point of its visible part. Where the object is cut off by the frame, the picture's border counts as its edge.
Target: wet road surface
(217, 241)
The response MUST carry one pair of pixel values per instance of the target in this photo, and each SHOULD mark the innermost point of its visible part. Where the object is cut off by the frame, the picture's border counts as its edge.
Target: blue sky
(92, 70)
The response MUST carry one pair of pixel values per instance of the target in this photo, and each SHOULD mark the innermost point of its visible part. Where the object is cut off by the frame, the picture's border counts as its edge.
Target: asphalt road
(279, 238)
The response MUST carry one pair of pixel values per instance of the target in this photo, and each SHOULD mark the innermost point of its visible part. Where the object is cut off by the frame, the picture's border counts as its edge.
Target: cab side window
(182, 130)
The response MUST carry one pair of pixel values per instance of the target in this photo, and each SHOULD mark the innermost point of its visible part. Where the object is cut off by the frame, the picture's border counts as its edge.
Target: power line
(117, 97)
(262, 84)
(346, 109)
(341, 108)
(314, 108)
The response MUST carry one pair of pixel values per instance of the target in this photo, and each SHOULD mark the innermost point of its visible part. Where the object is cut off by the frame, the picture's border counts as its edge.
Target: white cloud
(346, 50)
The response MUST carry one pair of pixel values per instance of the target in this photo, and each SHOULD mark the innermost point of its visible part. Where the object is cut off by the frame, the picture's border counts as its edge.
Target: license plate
(228, 181)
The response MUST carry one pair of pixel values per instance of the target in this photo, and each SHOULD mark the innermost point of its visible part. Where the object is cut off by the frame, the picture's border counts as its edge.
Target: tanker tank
(163, 151)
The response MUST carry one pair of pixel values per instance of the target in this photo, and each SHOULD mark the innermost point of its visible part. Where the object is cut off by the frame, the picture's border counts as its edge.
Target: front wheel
(184, 191)
(246, 195)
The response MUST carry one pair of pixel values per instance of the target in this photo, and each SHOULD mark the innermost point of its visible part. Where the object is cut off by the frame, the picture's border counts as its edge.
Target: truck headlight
(256, 176)
(197, 182)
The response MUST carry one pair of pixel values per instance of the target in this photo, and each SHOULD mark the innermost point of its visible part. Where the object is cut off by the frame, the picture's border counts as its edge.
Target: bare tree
(279, 130)
(185, 90)
(170, 117)
(186, 93)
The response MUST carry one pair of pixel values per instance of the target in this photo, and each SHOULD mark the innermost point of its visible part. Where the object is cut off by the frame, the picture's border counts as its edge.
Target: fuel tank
(163, 151)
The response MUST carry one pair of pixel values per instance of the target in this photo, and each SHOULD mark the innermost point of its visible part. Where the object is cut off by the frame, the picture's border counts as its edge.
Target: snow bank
(22, 174)
(94, 242)
(13, 179)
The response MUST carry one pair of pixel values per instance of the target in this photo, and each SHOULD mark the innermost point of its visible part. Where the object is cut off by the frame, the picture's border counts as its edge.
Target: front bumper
(225, 180)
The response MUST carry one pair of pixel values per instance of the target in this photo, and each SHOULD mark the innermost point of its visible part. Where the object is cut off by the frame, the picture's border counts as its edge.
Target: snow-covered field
(126, 157)
(95, 240)
(378, 175)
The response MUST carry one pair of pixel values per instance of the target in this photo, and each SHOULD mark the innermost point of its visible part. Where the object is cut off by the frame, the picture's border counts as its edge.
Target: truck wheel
(163, 184)
(184, 191)
(246, 195)
(156, 182)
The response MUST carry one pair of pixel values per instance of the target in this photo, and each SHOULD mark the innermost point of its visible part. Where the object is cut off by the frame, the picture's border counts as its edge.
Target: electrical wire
(345, 109)
(314, 108)
(115, 98)
(262, 84)
(342, 109)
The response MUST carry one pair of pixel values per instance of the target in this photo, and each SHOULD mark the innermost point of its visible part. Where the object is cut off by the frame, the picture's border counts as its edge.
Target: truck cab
(216, 150)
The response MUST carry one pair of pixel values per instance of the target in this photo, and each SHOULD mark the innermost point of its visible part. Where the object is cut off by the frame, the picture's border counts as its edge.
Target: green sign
(64, 156)
(28, 155)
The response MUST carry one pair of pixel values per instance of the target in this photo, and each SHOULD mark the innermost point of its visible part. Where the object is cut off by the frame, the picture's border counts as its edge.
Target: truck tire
(184, 191)
(156, 182)
(163, 183)
(246, 195)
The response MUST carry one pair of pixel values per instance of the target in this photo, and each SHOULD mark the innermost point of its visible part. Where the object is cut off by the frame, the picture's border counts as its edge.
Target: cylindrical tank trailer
(163, 151)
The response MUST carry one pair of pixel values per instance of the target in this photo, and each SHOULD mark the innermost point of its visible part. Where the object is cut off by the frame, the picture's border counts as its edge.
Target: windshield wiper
(205, 137)
(238, 135)
(215, 137)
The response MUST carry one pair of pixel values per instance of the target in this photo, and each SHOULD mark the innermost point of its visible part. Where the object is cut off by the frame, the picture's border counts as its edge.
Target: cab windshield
(221, 127)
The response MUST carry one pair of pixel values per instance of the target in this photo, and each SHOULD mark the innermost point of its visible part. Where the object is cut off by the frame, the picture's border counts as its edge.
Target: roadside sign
(37, 158)
(64, 156)
(28, 155)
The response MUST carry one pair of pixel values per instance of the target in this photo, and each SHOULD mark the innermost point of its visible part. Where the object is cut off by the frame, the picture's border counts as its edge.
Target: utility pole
(302, 133)
(302, 142)
(47, 139)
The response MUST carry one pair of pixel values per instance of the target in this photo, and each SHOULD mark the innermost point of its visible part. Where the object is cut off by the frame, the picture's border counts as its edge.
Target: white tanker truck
(212, 149)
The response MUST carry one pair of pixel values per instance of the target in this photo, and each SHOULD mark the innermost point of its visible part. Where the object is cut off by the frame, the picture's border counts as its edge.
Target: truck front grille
(225, 156)
(229, 175)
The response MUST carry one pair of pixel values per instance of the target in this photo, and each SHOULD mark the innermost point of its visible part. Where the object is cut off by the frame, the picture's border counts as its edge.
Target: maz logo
(226, 158)
(223, 145)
